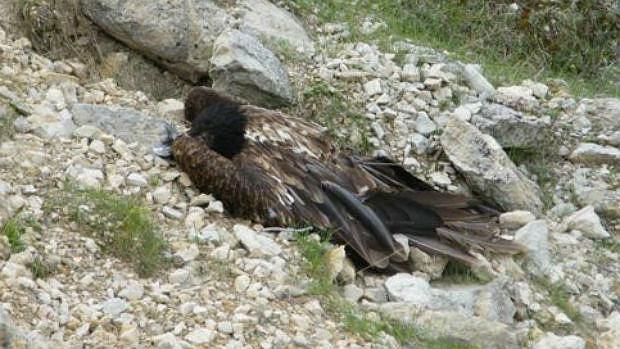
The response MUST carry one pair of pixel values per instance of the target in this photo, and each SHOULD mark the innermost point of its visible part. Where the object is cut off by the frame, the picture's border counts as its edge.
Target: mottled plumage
(280, 170)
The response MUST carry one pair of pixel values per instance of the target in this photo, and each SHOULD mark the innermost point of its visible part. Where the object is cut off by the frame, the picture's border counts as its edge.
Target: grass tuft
(560, 297)
(13, 229)
(123, 226)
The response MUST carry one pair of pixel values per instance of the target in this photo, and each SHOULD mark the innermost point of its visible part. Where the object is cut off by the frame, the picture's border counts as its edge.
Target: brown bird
(280, 170)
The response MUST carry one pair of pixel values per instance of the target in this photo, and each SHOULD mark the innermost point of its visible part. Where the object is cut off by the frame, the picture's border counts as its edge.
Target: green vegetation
(560, 297)
(574, 41)
(327, 106)
(123, 226)
(537, 161)
(355, 320)
(39, 269)
(13, 229)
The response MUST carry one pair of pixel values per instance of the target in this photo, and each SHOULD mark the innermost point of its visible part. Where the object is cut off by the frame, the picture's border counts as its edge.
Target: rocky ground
(224, 283)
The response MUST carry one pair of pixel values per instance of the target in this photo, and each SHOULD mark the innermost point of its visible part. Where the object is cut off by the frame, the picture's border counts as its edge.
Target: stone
(475, 80)
(181, 38)
(425, 125)
(127, 124)
(419, 143)
(48, 124)
(274, 25)
(242, 282)
(225, 327)
(352, 293)
(534, 236)
(86, 177)
(200, 336)
(408, 288)
(373, 87)
(454, 326)
(171, 108)
(114, 306)
(172, 213)
(440, 179)
(410, 73)
(518, 97)
(462, 113)
(610, 328)
(587, 222)
(590, 153)
(133, 291)
(487, 168)
(137, 180)
(5, 248)
(188, 254)
(179, 276)
(511, 129)
(215, 206)
(515, 219)
(97, 146)
(241, 66)
(612, 139)
(551, 341)
(433, 266)
(162, 194)
(257, 244)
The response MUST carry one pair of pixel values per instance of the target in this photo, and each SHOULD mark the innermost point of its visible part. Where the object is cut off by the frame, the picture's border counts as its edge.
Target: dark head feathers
(200, 97)
(217, 119)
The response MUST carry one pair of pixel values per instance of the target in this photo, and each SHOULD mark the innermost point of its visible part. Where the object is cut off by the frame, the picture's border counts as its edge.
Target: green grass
(328, 106)
(39, 269)
(355, 320)
(122, 225)
(554, 40)
(559, 296)
(537, 161)
(13, 229)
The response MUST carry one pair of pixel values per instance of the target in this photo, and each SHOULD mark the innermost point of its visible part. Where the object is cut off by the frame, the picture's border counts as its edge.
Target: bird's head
(217, 119)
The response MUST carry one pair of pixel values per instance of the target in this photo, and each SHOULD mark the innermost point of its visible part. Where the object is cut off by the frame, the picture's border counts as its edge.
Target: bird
(280, 170)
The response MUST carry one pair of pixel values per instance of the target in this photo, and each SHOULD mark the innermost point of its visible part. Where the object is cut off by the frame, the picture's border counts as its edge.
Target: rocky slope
(228, 285)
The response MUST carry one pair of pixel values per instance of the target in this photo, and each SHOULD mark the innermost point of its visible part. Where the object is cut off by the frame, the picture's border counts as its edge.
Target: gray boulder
(535, 237)
(127, 124)
(490, 301)
(591, 153)
(487, 168)
(243, 67)
(472, 330)
(273, 25)
(511, 129)
(178, 34)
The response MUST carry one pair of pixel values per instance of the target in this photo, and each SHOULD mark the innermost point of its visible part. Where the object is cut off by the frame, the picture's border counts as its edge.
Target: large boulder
(243, 67)
(490, 301)
(178, 34)
(187, 37)
(127, 124)
(464, 329)
(274, 26)
(511, 129)
(487, 168)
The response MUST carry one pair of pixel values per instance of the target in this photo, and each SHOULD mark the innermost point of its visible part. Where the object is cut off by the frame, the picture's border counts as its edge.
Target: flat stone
(257, 244)
(535, 237)
(587, 222)
(551, 341)
(352, 293)
(515, 219)
(201, 336)
(137, 180)
(590, 153)
(373, 87)
(487, 168)
(114, 306)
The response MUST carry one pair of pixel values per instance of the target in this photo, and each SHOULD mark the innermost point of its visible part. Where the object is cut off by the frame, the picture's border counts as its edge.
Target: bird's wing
(244, 189)
(282, 130)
